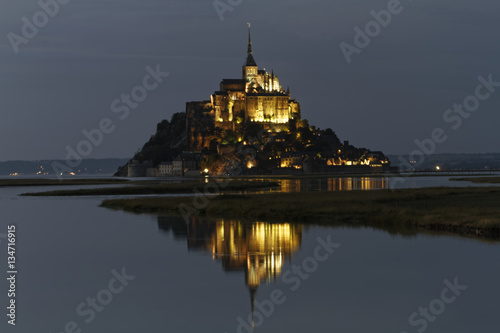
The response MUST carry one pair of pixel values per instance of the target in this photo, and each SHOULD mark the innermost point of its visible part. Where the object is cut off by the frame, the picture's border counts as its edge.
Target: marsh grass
(459, 210)
(479, 180)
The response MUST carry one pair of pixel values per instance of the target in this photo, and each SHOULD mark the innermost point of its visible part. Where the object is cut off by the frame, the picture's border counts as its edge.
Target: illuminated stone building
(256, 97)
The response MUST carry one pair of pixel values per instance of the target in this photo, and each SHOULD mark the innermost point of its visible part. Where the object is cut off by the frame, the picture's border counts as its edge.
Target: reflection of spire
(259, 249)
(253, 291)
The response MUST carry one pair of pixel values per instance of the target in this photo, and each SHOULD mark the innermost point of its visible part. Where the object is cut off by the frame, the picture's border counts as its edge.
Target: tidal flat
(63, 182)
(176, 188)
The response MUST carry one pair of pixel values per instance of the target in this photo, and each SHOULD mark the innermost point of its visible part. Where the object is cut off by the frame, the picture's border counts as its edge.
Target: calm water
(203, 276)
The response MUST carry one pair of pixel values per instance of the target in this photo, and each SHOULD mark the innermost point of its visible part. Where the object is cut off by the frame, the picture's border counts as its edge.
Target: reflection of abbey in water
(259, 249)
(334, 184)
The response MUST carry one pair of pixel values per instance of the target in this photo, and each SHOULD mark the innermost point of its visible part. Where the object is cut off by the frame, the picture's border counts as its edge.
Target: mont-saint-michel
(250, 125)
(333, 167)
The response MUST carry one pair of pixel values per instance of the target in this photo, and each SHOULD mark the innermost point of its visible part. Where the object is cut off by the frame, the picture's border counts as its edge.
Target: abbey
(256, 97)
(253, 123)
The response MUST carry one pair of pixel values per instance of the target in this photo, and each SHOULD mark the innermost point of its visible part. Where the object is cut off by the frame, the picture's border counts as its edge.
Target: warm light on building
(255, 97)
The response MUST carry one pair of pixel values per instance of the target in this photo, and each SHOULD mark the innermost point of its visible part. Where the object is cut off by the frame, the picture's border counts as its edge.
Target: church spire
(250, 60)
(249, 41)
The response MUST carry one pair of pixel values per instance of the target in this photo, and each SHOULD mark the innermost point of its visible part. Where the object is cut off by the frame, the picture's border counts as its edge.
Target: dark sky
(394, 91)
